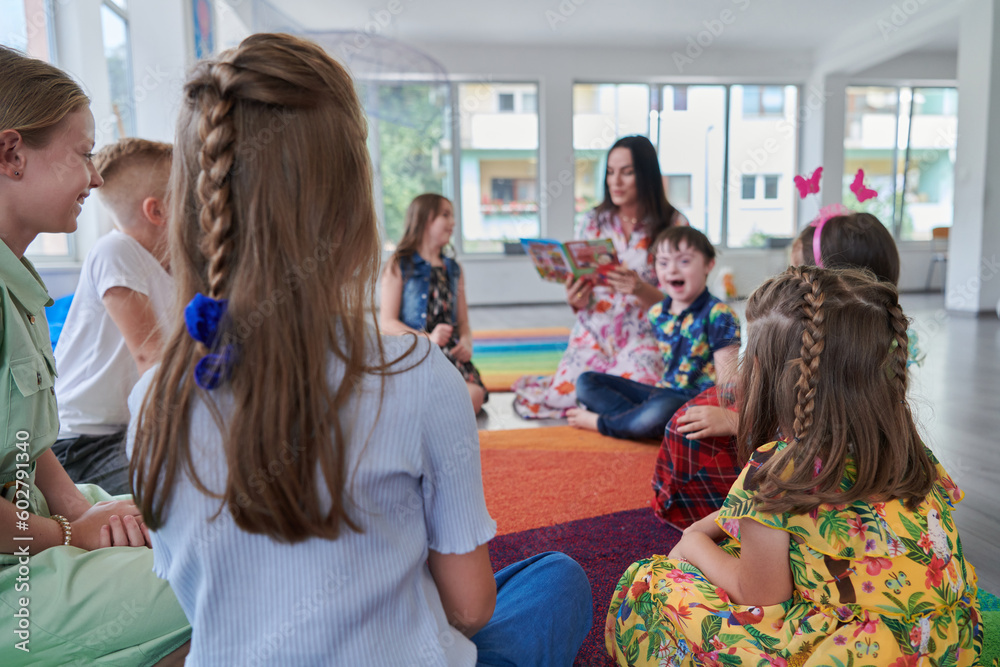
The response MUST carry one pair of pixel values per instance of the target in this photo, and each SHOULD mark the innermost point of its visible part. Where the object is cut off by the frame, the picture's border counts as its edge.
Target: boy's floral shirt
(688, 340)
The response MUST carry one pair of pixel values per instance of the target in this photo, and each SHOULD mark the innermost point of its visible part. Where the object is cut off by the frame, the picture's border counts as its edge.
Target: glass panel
(771, 187)
(409, 122)
(49, 245)
(117, 54)
(24, 25)
(871, 142)
(759, 144)
(928, 200)
(498, 169)
(678, 189)
(692, 141)
(603, 113)
(749, 189)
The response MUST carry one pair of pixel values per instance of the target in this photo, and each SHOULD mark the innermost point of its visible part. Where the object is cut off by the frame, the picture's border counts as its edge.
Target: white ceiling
(792, 25)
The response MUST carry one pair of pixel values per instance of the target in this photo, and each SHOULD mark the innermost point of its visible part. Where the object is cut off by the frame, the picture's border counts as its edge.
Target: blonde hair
(132, 169)
(35, 97)
(825, 367)
(272, 209)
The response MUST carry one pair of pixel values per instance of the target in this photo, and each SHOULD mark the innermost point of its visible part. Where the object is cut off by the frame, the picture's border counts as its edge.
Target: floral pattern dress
(612, 335)
(875, 585)
(439, 311)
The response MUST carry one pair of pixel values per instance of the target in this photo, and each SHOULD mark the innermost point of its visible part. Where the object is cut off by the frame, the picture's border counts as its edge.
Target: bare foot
(581, 418)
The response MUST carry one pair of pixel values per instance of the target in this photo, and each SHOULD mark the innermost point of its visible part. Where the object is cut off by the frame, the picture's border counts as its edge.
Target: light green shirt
(29, 420)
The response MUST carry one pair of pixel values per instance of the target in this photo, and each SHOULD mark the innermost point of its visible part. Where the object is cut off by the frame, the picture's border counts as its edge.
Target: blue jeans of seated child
(544, 612)
(628, 409)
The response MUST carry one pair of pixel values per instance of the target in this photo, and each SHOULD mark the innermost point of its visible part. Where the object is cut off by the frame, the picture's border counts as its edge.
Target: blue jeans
(628, 409)
(544, 612)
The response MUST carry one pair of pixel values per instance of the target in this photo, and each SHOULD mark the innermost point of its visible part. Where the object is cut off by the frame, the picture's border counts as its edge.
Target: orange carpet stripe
(520, 333)
(540, 477)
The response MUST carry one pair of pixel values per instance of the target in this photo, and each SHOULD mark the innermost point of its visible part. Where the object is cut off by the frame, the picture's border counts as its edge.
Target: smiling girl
(73, 535)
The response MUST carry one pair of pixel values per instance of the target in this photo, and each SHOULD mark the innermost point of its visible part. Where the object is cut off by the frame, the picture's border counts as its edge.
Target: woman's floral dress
(874, 585)
(612, 335)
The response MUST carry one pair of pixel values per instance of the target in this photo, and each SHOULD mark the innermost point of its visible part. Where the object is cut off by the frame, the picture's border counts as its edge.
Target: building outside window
(678, 189)
(904, 138)
(498, 164)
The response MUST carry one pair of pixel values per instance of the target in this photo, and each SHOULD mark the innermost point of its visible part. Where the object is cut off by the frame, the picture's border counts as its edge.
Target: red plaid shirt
(693, 477)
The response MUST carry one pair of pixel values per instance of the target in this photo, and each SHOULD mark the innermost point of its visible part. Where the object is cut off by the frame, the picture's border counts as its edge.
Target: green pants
(89, 607)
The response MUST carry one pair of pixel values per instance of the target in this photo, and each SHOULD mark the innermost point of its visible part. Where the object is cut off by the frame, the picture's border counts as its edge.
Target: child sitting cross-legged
(121, 305)
(699, 337)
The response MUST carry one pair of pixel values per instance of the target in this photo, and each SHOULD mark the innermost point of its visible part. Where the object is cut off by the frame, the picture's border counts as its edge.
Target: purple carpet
(604, 546)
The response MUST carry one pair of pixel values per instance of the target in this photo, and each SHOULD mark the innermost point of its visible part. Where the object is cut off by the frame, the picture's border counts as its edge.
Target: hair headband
(807, 186)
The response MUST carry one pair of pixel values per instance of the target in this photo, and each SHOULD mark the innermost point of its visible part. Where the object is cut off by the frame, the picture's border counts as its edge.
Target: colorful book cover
(591, 259)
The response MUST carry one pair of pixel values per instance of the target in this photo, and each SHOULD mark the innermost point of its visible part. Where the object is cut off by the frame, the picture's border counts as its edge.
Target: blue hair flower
(202, 317)
(215, 368)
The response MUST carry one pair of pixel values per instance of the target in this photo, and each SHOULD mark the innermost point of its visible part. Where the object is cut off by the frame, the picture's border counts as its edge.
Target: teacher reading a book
(611, 334)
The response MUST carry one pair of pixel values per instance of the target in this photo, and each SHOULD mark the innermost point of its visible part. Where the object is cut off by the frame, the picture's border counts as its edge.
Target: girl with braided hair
(836, 544)
(61, 545)
(313, 489)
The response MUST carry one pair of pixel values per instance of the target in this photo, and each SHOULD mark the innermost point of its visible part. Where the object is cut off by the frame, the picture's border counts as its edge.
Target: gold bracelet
(67, 529)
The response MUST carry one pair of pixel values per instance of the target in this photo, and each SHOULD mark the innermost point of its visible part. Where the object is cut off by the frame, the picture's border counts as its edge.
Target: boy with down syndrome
(698, 335)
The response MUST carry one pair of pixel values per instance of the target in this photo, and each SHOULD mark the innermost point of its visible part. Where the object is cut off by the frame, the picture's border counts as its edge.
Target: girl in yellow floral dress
(838, 548)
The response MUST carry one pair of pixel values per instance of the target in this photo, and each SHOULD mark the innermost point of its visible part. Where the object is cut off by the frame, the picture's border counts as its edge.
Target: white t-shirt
(96, 369)
(362, 599)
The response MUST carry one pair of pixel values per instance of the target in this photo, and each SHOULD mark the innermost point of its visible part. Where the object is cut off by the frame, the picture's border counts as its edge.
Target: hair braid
(216, 130)
(901, 355)
(812, 345)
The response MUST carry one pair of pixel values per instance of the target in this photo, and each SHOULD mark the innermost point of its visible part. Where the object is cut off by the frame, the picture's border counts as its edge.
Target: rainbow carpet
(504, 356)
(588, 496)
(581, 493)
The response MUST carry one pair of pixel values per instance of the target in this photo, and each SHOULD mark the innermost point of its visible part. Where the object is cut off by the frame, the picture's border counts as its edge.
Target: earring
(17, 173)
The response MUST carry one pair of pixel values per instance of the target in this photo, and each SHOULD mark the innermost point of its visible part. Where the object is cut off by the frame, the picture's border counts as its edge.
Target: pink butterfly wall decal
(859, 189)
(808, 185)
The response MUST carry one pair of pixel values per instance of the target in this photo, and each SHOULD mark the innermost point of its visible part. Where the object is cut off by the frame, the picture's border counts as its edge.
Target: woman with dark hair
(612, 334)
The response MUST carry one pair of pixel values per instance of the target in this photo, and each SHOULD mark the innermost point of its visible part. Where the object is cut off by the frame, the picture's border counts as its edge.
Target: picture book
(591, 259)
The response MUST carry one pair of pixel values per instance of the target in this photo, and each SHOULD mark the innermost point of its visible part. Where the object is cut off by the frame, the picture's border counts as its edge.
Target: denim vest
(416, 286)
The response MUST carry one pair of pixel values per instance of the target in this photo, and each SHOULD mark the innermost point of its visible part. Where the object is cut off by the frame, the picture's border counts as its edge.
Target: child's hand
(441, 334)
(707, 421)
(88, 529)
(624, 281)
(578, 293)
(127, 531)
(462, 351)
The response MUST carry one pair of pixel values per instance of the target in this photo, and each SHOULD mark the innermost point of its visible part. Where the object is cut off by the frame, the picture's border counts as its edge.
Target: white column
(973, 283)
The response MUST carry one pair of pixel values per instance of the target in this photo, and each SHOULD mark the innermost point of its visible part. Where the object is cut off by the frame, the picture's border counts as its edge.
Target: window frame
(898, 84)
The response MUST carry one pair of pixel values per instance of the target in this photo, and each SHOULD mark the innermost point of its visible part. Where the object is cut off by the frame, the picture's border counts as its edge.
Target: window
(27, 27)
(680, 98)
(904, 139)
(678, 189)
(497, 165)
(771, 186)
(762, 146)
(763, 101)
(118, 55)
(529, 102)
(603, 113)
(697, 131)
(409, 139)
(692, 140)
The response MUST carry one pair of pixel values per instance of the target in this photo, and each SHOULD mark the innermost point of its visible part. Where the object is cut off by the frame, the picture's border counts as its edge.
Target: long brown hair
(419, 214)
(825, 370)
(855, 239)
(35, 96)
(655, 212)
(271, 208)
